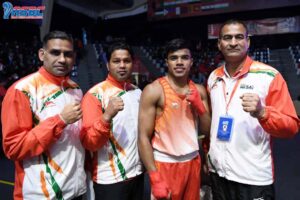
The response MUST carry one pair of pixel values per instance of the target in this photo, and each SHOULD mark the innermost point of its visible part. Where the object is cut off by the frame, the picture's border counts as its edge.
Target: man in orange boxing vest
(168, 115)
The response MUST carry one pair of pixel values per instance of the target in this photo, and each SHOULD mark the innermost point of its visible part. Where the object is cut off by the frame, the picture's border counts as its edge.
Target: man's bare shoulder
(201, 89)
(153, 91)
(153, 87)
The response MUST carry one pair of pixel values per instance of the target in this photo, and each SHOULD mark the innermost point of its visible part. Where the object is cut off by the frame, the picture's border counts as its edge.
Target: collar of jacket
(244, 70)
(57, 80)
(122, 85)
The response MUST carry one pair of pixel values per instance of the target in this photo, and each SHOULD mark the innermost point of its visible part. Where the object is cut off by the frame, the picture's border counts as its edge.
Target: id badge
(225, 128)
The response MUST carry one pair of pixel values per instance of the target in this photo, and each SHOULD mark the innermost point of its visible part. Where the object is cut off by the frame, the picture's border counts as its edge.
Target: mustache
(235, 48)
(60, 65)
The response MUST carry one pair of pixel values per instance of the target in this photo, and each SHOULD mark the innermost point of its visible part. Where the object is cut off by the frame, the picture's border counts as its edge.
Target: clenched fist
(193, 96)
(251, 103)
(71, 113)
(115, 105)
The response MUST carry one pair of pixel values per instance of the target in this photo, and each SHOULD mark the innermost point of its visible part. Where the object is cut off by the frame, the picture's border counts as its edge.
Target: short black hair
(57, 35)
(118, 45)
(233, 21)
(175, 45)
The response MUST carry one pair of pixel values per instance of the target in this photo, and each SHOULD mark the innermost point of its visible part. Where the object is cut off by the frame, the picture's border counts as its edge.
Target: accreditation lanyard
(232, 93)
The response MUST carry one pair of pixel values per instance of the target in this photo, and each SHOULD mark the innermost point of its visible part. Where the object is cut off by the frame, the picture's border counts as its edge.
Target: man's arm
(147, 112)
(20, 140)
(96, 124)
(278, 117)
(146, 122)
(205, 118)
(197, 97)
